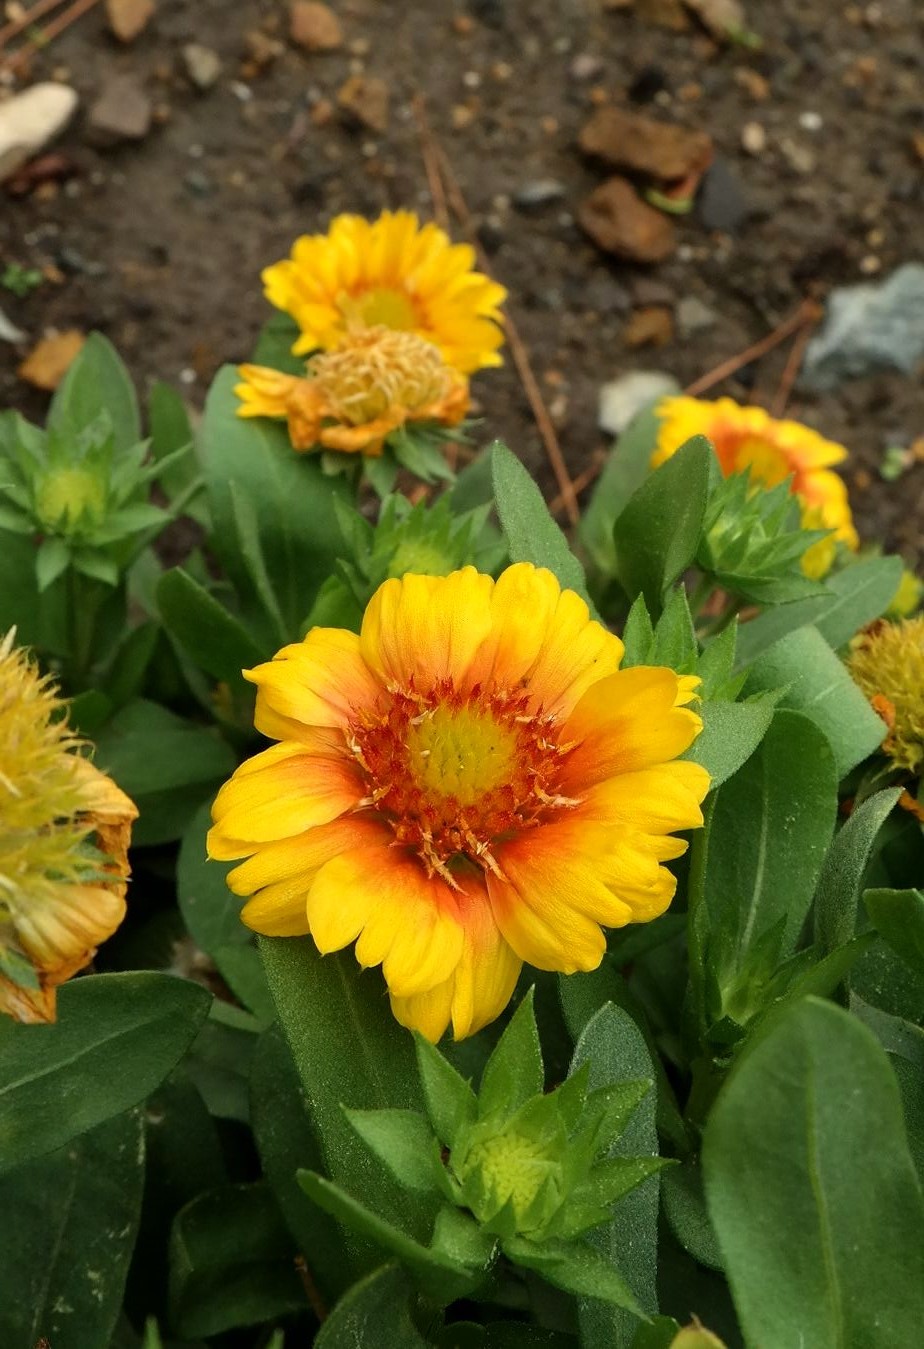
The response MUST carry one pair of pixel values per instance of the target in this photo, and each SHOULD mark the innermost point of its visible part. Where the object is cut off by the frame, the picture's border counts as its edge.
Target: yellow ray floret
(395, 273)
(470, 783)
(887, 661)
(64, 835)
(749, 438)
(353, 398)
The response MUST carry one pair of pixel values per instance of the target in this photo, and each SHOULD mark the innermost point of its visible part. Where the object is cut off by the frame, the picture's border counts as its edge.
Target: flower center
(376, 370)
(512, 1167)
(455, 774)
(390, 308)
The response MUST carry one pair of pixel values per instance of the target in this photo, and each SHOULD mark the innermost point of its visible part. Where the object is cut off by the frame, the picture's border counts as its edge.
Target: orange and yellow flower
(749, 438)
(64, 835)
(887, 661)
(393, 273)
(470, 783)
(353, 398)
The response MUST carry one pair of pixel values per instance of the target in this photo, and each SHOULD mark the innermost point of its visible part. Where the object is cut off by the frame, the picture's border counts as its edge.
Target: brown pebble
(626, 140)
(649, 327)
(365, 99)
(619, 222)
(314, 27)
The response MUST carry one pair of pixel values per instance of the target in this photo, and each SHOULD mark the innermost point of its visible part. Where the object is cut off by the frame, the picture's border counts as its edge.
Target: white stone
(623, 398)
(28, 121)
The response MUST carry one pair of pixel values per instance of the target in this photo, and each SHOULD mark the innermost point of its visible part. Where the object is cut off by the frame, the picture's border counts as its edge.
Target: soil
(160, 242)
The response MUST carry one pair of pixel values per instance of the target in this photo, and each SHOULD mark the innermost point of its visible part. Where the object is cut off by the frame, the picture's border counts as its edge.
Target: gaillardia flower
(749, 438)
(887, 661)
(393, 273)
(470, 783)
(377, 381)
(64, 835)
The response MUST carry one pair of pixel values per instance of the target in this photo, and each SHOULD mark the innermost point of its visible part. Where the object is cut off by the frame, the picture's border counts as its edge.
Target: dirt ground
(160, 242)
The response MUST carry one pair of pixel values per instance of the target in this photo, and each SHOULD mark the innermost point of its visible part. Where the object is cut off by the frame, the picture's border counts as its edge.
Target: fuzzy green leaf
(730, 735)
(213, 639)
(899, 916)
(374, 1313)
(404, 1142)
(531, 533)
(451, 1103)
(862, 592)
(577, 1268)
(845, 865)
(514, 1072)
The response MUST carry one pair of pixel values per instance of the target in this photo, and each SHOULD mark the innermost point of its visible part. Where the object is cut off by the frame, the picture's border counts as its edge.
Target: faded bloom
(887, 661)
(353, 398)
(470, 783)
(391, 273)
(64, 835)
(749, 438)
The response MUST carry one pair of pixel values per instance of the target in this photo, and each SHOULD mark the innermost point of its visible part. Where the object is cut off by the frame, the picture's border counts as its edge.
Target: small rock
(602, 293)
(753, 138)
(129, 18)
(723, 18)
(649, 327)
(365, 99)
(538, 193)
(648, 290)
(262, 50)
(198, 184)
(626, 140)
(121, 113)
(203, 65)
(799, 157)
(869, 329)
(623, 399)
(48, 362)
(721, 203)
(693, 316)
(811, 121)
(585, 66)
(314, 27)
(9, 332)
(619, 222)
(28, 121)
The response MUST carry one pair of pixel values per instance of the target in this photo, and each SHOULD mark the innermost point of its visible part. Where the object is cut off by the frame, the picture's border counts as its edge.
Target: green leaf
(116, 1038)
(659, 531)
(212, 914)
(904, 1044)
(768, 628)
(67, 1238)
(231, 1262)
(168, 766)
(97, 381)
(403, 1140)
(684, 1204)
(51, 561)
(730, 735)
(284, 1138)
(440, 1277)
(627, 467)
(812, 1190)
(615, 1049)
(863, 592)
(818, 685)
(767, 842)
(531, 533)
(274, 345)
(451, 1103)
(171, 432)
(845, 865)
(578, 1269)
(514, 1073)
(213, 639)
(898, 915)
(375, 1312)
(250, 460)
(348, 1051)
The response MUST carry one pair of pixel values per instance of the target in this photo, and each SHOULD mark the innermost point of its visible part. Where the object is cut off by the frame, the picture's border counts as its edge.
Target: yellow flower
(907, 597)
(887, 661)
(64, 835)
(394, 273)
(749, 438)
(470, 783)
(377, 381)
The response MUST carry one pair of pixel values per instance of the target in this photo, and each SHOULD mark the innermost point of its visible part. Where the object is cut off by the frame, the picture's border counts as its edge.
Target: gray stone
(693, 316)
(121, 113)
(869, 329)
(9, 332)
(203, 66)
(30, 120)
(538, 193)
(623, 398)
(721, 203)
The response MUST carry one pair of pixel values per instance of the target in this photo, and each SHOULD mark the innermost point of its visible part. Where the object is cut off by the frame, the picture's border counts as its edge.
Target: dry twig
(807, 314)
(793, 365)
(52, 30)
(26, 19)
(431, 162)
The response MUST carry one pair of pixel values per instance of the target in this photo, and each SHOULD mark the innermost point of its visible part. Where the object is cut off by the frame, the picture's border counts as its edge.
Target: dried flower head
(887, 661)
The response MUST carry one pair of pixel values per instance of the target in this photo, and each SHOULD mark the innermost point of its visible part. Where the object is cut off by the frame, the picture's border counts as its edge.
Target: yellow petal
(278, 794)
(421, 630)
(318, 682)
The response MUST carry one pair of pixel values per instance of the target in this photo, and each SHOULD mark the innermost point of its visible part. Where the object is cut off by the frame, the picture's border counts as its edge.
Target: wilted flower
(887, 661)
(64, 835)
(353, 398)
(469, 783)
(389, 273)
(749, 438)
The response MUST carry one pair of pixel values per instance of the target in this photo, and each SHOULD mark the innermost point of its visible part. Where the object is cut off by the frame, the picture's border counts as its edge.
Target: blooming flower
(470, 783)
(749, 438)
(887, 661)
(394, 273)
(353, 398)
(64, 834)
